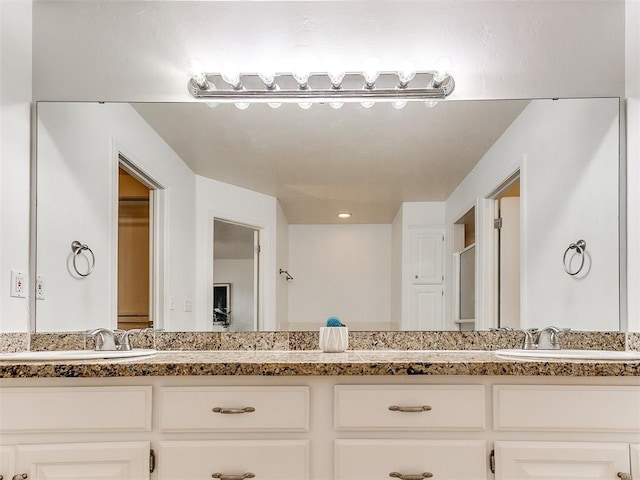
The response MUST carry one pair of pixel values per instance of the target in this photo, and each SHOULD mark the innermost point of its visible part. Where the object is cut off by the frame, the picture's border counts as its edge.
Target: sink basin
(569, 354)
(75, 355)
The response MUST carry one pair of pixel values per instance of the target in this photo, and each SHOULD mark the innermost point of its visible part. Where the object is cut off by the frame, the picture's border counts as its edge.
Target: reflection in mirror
(407, 176)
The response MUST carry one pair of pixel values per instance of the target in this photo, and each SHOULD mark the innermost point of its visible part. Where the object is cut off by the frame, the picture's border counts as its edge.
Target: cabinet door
(426, 256)
(266, 459)
(378, 459)
(635, 460)
(87, 461)
(6, 462)
(560, 460)
(426, 308)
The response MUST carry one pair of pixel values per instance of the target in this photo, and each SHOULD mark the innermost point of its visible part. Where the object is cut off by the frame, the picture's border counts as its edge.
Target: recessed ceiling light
(344, 215)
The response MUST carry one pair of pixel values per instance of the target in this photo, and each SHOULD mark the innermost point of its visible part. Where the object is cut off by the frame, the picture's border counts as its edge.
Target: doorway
(236, 277)
(134, 252)
(507, 259)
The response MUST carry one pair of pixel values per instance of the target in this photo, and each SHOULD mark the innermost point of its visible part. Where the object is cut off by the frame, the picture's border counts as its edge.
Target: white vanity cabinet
(43, 414)
(268, 410)
(561, 460)
(401, 408)
(87, 461)
(589, 410)
(320, 427)
(7, 468)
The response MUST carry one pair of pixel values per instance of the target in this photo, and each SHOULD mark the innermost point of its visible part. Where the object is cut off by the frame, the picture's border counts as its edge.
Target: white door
(426, 255)
(560, 460)
(6, 462)
(426, 307)
(635, 460)
(378, 459)
(510, 262)
(86, 461)
(266, 459)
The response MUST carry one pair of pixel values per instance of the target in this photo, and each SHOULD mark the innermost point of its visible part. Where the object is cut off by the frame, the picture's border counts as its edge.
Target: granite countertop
(292, 363)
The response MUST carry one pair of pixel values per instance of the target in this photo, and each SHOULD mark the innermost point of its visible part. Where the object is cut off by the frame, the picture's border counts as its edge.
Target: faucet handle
(125, 342)
(530, 342)
(104, 338)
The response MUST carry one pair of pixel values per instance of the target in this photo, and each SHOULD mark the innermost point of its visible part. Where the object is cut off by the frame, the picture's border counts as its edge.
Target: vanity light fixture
(335, 88)
(344, 214)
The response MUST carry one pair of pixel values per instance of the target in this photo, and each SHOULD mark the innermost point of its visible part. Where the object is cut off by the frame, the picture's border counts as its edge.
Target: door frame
(491, 254)
(259, 276)
(158, 229)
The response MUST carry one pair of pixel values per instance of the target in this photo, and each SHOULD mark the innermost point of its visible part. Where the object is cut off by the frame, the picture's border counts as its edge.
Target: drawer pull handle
(423, 408)
(420, 476)
(233, 411)
(624, 476)
(20, 476)
(242, 476)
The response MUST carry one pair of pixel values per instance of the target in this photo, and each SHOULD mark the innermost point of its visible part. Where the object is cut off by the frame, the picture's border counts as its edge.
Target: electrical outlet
(18, 285)
(172, 303)
(188, 306)
(40, 288)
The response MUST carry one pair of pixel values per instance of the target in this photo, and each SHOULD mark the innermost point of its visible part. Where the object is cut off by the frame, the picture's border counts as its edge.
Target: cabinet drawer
(267, 459)
(284, 409)
(450, 407)
(558, 460)
(566, 408)
(75, 409)
(376, 459)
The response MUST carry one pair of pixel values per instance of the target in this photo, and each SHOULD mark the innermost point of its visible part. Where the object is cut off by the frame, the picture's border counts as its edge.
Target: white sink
(75, 355)
(569, 354)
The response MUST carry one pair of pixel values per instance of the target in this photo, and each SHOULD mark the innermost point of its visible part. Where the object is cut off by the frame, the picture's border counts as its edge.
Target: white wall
(78, 143)
(15, 134)
(216, 199)
(239, 273)
(632, 95)
(340, 270)
(576, 140)
(502, 49)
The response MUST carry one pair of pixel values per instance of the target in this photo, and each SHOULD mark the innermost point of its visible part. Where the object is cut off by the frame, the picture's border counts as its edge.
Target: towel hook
(580, 247)
(77, 248)
(287, 275)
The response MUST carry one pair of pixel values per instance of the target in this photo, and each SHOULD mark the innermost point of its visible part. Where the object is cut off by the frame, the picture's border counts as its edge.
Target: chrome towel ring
(77, 248)
(580, 247)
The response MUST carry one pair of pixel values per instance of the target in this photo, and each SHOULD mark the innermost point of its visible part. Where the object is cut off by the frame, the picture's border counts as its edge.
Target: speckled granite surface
(291, 363)
(309, 340)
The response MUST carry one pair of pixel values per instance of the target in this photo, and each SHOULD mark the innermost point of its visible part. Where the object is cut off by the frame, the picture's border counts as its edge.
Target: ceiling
(320, 161)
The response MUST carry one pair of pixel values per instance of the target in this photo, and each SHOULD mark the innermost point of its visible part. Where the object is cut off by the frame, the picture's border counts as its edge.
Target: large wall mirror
(463, 215)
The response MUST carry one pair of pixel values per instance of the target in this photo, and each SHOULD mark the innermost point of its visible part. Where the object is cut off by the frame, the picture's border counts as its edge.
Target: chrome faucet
(546, 339)
(105, 339)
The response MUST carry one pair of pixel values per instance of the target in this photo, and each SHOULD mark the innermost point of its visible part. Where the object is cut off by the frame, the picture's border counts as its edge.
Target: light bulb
(431, 103)
(301, 77)
(442, 71)
(274, 105)
(305, 105)
(344, 214)
(268, 78)
(242, 105)
(398, 104)
(371, 73)
(367, 104)
(195, 67)
(406, 73)
(212, 104)
(336, 105)
(336, 78)
(231, 75)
